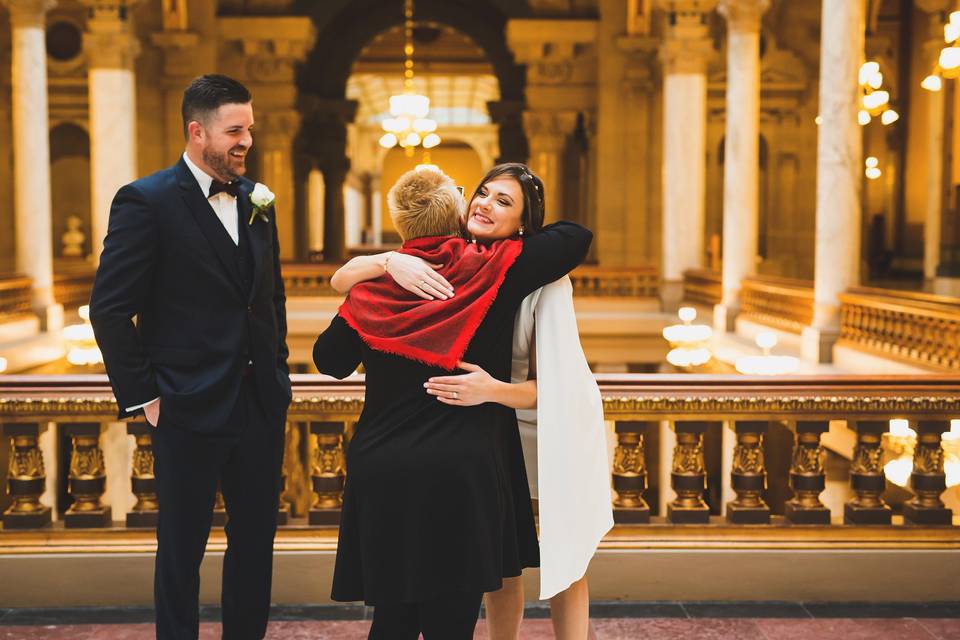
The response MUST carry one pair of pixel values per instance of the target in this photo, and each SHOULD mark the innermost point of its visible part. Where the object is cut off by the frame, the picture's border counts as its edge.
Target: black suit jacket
(168, 260)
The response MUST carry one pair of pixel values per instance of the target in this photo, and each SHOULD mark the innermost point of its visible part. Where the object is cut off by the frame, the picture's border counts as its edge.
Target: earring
(521, 231)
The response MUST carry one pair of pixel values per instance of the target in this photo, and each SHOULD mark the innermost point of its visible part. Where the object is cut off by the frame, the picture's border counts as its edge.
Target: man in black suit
(191, 256)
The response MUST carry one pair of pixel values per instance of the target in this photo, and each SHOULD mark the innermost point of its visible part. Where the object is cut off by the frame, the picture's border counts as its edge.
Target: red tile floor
(606, 629)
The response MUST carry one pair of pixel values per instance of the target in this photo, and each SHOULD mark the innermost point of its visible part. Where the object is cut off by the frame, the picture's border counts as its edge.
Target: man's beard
(220, 163)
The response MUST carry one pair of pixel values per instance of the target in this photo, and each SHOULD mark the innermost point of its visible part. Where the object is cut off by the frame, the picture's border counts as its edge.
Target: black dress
(436, 498)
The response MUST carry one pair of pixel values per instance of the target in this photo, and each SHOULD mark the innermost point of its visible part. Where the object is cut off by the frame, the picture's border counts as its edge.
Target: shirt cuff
(141, 406)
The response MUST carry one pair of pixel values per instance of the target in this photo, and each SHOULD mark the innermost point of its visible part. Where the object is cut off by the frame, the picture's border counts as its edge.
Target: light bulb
(932, 83)
(818, 120)
(955, 17)
(867, 70)
(687, 314)
(388, 140)
(875, 81)
(889, 116)
(872, 161)
(951, 32)
(863, 118)
(873, 173)
(412, 139)
(424, 125)
(766, 339)
(431, 140)
(875, 100)
(949, 58)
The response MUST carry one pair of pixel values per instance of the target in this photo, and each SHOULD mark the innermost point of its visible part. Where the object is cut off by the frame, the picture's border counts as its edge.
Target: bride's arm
(477, 386)
(410, 272)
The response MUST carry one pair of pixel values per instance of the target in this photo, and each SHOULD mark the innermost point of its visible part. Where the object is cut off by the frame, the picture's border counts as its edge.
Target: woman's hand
(416, 275)
(465, 390)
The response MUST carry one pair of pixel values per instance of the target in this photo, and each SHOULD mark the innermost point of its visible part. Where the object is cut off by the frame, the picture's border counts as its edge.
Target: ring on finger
(456, 396)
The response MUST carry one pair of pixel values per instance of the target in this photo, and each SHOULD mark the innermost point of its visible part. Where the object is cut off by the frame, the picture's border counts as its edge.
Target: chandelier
(948, 63)
(409, 126)
(688, 341)
(767, 364)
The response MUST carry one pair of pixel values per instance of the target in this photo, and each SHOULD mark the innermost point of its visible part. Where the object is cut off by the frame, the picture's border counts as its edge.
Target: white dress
(567, 456)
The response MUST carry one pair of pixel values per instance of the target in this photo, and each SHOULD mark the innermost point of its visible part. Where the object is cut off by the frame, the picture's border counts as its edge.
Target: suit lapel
(209, 223)
(255, 231)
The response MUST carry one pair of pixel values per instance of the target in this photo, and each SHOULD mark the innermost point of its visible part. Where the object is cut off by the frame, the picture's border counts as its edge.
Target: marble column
(110, 48)
(684, 53)
(324, 133)
(315, 199)
(741, 175)
(839, 173)
(31, 153)
(547, 133)
(275, 141)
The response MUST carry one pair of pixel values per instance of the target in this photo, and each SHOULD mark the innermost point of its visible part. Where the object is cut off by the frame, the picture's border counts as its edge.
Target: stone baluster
(748, 475)
(630, 474)
(808, 477)
(146, 511)
(928, 479)
(866, 476)
(87, 479)
(219, 509)
(688, 476)
(328, 473)
(26, 478)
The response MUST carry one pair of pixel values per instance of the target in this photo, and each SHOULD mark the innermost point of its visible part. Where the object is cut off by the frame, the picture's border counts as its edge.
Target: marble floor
(654, 621)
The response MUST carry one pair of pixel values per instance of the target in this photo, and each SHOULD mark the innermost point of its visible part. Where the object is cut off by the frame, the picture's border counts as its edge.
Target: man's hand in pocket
(152, 412)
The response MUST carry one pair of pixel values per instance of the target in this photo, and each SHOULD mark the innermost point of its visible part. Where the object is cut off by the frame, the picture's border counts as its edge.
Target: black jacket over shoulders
(204, 307)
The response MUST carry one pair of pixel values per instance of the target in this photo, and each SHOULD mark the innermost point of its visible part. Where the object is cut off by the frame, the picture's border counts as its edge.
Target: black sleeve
(337, 350)
(279, 301)
(120, 289)
(547, 255)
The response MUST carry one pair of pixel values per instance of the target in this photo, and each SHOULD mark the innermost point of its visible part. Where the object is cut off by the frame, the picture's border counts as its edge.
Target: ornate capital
(108, 41)
(548, 130)
(743, 15)
(686, 45)
(28, 13)
(277, 127)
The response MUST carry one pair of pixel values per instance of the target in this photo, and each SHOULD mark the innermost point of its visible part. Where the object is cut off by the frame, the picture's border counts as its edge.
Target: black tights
(452, 618)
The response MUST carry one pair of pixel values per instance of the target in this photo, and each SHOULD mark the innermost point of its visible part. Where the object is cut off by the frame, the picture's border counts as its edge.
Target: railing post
(630, 474)
(866, 476)
(748, 475)
(688, 476)
(928, 479)
(283, 509)
(144, 484)
(88, 478)
(808, 477)
(26, 478)
(328, 473)
(219, 509)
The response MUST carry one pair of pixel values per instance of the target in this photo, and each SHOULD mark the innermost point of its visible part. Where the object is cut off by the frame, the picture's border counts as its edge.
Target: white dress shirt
(224, 205)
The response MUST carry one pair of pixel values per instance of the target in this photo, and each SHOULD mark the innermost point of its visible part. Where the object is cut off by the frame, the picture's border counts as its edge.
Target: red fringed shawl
(434, 332)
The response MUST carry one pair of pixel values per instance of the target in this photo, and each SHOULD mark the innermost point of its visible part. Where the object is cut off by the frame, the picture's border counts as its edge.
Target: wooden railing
(770, 420)
(919, 328)
(782, 303)
(313, 279)
(15, 296)
(702, 286)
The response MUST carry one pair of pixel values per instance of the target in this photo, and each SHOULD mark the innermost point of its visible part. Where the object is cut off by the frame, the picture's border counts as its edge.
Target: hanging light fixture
(948, 61)
(874, 101)
(409, 125)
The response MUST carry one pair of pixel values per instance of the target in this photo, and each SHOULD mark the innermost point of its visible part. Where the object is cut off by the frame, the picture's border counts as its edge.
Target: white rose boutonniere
(262, 199)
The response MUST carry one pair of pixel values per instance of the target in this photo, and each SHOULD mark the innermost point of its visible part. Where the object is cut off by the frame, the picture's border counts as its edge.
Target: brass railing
(313, 279)
(792, 411)
(782, 303)
(702, 286)
(919, 328)
(15, 296)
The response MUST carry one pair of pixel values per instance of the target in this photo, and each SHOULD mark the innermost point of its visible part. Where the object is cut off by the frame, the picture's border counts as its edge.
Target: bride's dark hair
(530, 185)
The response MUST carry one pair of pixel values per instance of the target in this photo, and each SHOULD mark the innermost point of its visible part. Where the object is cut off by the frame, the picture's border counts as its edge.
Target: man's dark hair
(208, 93)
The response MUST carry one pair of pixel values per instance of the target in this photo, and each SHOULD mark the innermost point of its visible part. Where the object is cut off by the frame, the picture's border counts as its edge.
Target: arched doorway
(344, 30)
(70, 191)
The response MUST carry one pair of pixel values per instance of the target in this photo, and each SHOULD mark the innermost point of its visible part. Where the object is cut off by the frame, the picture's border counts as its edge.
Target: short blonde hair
(425, 202)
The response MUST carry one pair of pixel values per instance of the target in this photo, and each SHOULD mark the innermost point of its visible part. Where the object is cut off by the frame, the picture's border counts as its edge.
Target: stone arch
(343, 30)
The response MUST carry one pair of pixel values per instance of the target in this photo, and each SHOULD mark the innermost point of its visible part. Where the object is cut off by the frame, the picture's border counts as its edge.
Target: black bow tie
(232, 188)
